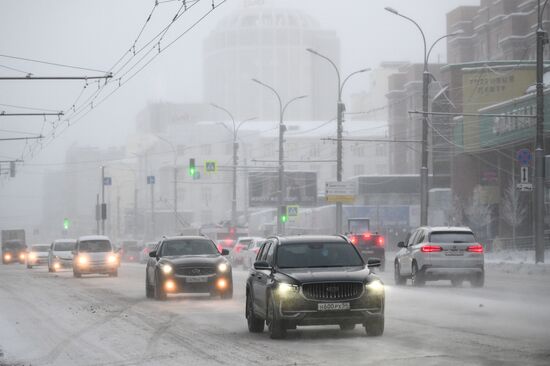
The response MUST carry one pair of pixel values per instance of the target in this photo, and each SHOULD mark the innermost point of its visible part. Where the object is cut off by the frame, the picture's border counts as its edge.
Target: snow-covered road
(55, 319)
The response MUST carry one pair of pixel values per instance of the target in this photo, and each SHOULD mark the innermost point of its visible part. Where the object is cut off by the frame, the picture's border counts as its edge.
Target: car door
(406, 258)
(260, 280)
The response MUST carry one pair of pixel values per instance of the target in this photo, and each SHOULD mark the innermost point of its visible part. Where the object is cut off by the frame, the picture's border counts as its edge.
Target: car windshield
(64, 246)
(94, 246)
(14, 245)
(151, 245)
(40, 248)
(188, 247)
(309, 255)
(452, 237)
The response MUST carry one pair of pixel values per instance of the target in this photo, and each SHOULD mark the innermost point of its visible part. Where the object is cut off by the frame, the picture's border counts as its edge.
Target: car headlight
(7, 256)
(112, 259)
(375, 287)
(22, 256)
(223, 267)
(167, 269)
(286, 289)
(32, 256)
(82, 260)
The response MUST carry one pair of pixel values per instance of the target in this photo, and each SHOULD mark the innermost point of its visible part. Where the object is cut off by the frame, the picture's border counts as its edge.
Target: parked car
(37, 255)
(13, 251)
(238, 255)
(313, 280)
(190, 264)
(148, 248)
(371, 245)
(440, 253)
(60, 254)
(95, 254)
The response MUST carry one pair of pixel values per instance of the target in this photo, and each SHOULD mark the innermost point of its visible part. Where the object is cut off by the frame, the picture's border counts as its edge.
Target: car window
(63, 246)
(421, 237)
(269, 257)
(94, 246)
(318, 255)
(449, 237)
(177, 247)
(412, 238)
(265, 251)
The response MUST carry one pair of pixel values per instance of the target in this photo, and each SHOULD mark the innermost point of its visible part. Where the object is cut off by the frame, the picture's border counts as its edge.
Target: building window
(358, 151)
(358, 169)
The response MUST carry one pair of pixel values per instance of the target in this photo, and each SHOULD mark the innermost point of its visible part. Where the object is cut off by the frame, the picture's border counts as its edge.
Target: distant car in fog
(95, 254)
(37, 255)
(13, 251)
(60, 254)
(129, 251)
(370, 245)
(440, 253)
(190, 264)
(239, 255)
(313, 280)
(144, 253)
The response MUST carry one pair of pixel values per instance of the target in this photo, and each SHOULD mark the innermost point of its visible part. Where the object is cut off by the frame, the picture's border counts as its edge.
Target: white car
(37, 255)
(440, 253)
(95, 254)
(60, 254)
(238, 255)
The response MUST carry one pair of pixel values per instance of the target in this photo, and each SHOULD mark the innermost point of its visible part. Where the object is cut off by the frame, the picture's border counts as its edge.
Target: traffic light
(192, 168)
(66, 223)
(283, 214)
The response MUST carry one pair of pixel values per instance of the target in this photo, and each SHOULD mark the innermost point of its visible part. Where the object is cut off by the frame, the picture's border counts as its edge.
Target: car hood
(332, 274)
(194, 260)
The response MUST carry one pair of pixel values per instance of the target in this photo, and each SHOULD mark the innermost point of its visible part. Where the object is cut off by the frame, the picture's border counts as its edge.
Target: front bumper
(298, 310)
(186, 284)
(60, 263)
(100, 268)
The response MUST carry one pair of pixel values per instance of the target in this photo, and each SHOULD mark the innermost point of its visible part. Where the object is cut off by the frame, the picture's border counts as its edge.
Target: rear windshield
(91, 246)
(450, 237)
(188, 247)
(245, 242)
(64, 246)
(315, 255)
(40, 248)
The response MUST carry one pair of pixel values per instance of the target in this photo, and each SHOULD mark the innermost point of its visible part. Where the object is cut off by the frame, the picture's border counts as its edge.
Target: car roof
(298, 239)
(93, 237)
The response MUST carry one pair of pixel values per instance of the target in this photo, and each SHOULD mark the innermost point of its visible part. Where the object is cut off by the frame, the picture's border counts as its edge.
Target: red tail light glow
(353, 240)
(478, 248)
(366, 235)
(380, 241)
(431, 248)
(219, 248)
(238, 248)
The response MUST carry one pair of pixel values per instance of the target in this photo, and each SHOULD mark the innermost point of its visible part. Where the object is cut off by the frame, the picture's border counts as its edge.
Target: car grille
(195, 271)
(332, 291)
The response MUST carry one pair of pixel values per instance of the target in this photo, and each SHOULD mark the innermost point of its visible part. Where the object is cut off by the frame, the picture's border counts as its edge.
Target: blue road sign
(150, 179)
(107, 181)
(210, 166)
(524, 157)
(292, 211)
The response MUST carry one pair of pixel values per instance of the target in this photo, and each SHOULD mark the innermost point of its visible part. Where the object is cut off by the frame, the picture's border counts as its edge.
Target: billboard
(300, 188)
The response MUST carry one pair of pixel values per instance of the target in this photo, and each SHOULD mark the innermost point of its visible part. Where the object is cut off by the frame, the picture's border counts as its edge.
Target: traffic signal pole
(102, 200)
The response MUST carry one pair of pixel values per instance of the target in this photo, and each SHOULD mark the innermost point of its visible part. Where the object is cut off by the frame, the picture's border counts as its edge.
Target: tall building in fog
(265, 41)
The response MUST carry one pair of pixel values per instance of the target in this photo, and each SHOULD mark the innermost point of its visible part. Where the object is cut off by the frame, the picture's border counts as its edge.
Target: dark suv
(370, 245)
(313, 280)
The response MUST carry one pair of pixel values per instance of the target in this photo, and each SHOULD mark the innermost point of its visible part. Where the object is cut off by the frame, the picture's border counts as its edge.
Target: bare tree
(514, 210)
(478, 212)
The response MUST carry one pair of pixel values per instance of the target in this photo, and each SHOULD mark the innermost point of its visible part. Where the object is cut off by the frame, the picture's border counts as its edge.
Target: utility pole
(103, 210)
(135, 209)
(175, 204)
(282, 129)
(539, 142)
(97, 214)
(426, 78)
(153, 226)
(340, 109)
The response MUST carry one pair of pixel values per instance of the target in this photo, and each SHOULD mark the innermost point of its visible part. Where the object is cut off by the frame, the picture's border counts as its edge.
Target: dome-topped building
(268, 42)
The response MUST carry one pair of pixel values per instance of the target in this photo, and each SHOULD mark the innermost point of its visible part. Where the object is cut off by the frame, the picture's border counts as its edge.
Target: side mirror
(153, 254)
(262, 265)
(225, 251)
(401, 244)
(373, 262)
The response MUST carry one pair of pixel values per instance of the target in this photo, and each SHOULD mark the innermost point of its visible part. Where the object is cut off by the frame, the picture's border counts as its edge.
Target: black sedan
(313, 280)
(188, 264)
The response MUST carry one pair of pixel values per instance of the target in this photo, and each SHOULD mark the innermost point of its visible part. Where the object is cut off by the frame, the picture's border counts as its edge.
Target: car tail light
(380, 241)
(431, 248)
(478, 248)
(367, 235)
(354, 240)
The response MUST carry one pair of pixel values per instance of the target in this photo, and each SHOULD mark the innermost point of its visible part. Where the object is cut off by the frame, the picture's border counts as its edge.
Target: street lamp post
(340, 109)
(234, 133)
(282, 128)
(539, 141)
(174, 150)
(426, 78)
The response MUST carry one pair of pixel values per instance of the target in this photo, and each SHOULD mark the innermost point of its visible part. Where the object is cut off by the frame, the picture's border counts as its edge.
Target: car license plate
(196, 279)
(333, 306)
(454, 253)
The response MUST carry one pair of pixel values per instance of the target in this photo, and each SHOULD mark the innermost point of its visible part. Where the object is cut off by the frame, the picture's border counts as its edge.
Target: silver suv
(95, 254)
(440, 253)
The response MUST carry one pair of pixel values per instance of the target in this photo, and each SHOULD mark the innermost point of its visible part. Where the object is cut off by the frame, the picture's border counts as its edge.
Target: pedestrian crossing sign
(292, 211)
(210, 166)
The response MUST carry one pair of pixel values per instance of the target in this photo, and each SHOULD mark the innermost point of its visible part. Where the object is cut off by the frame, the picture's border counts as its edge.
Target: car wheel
(456, 282)
(347, 327)
(228, 294)
(159, 292)
(255, 324)
(113, 273)
(149, 290)
(478, 280)
(29, 266)
(375, 327)
(417, 277)
(399, 280)
(77, 274)
(276, 325)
